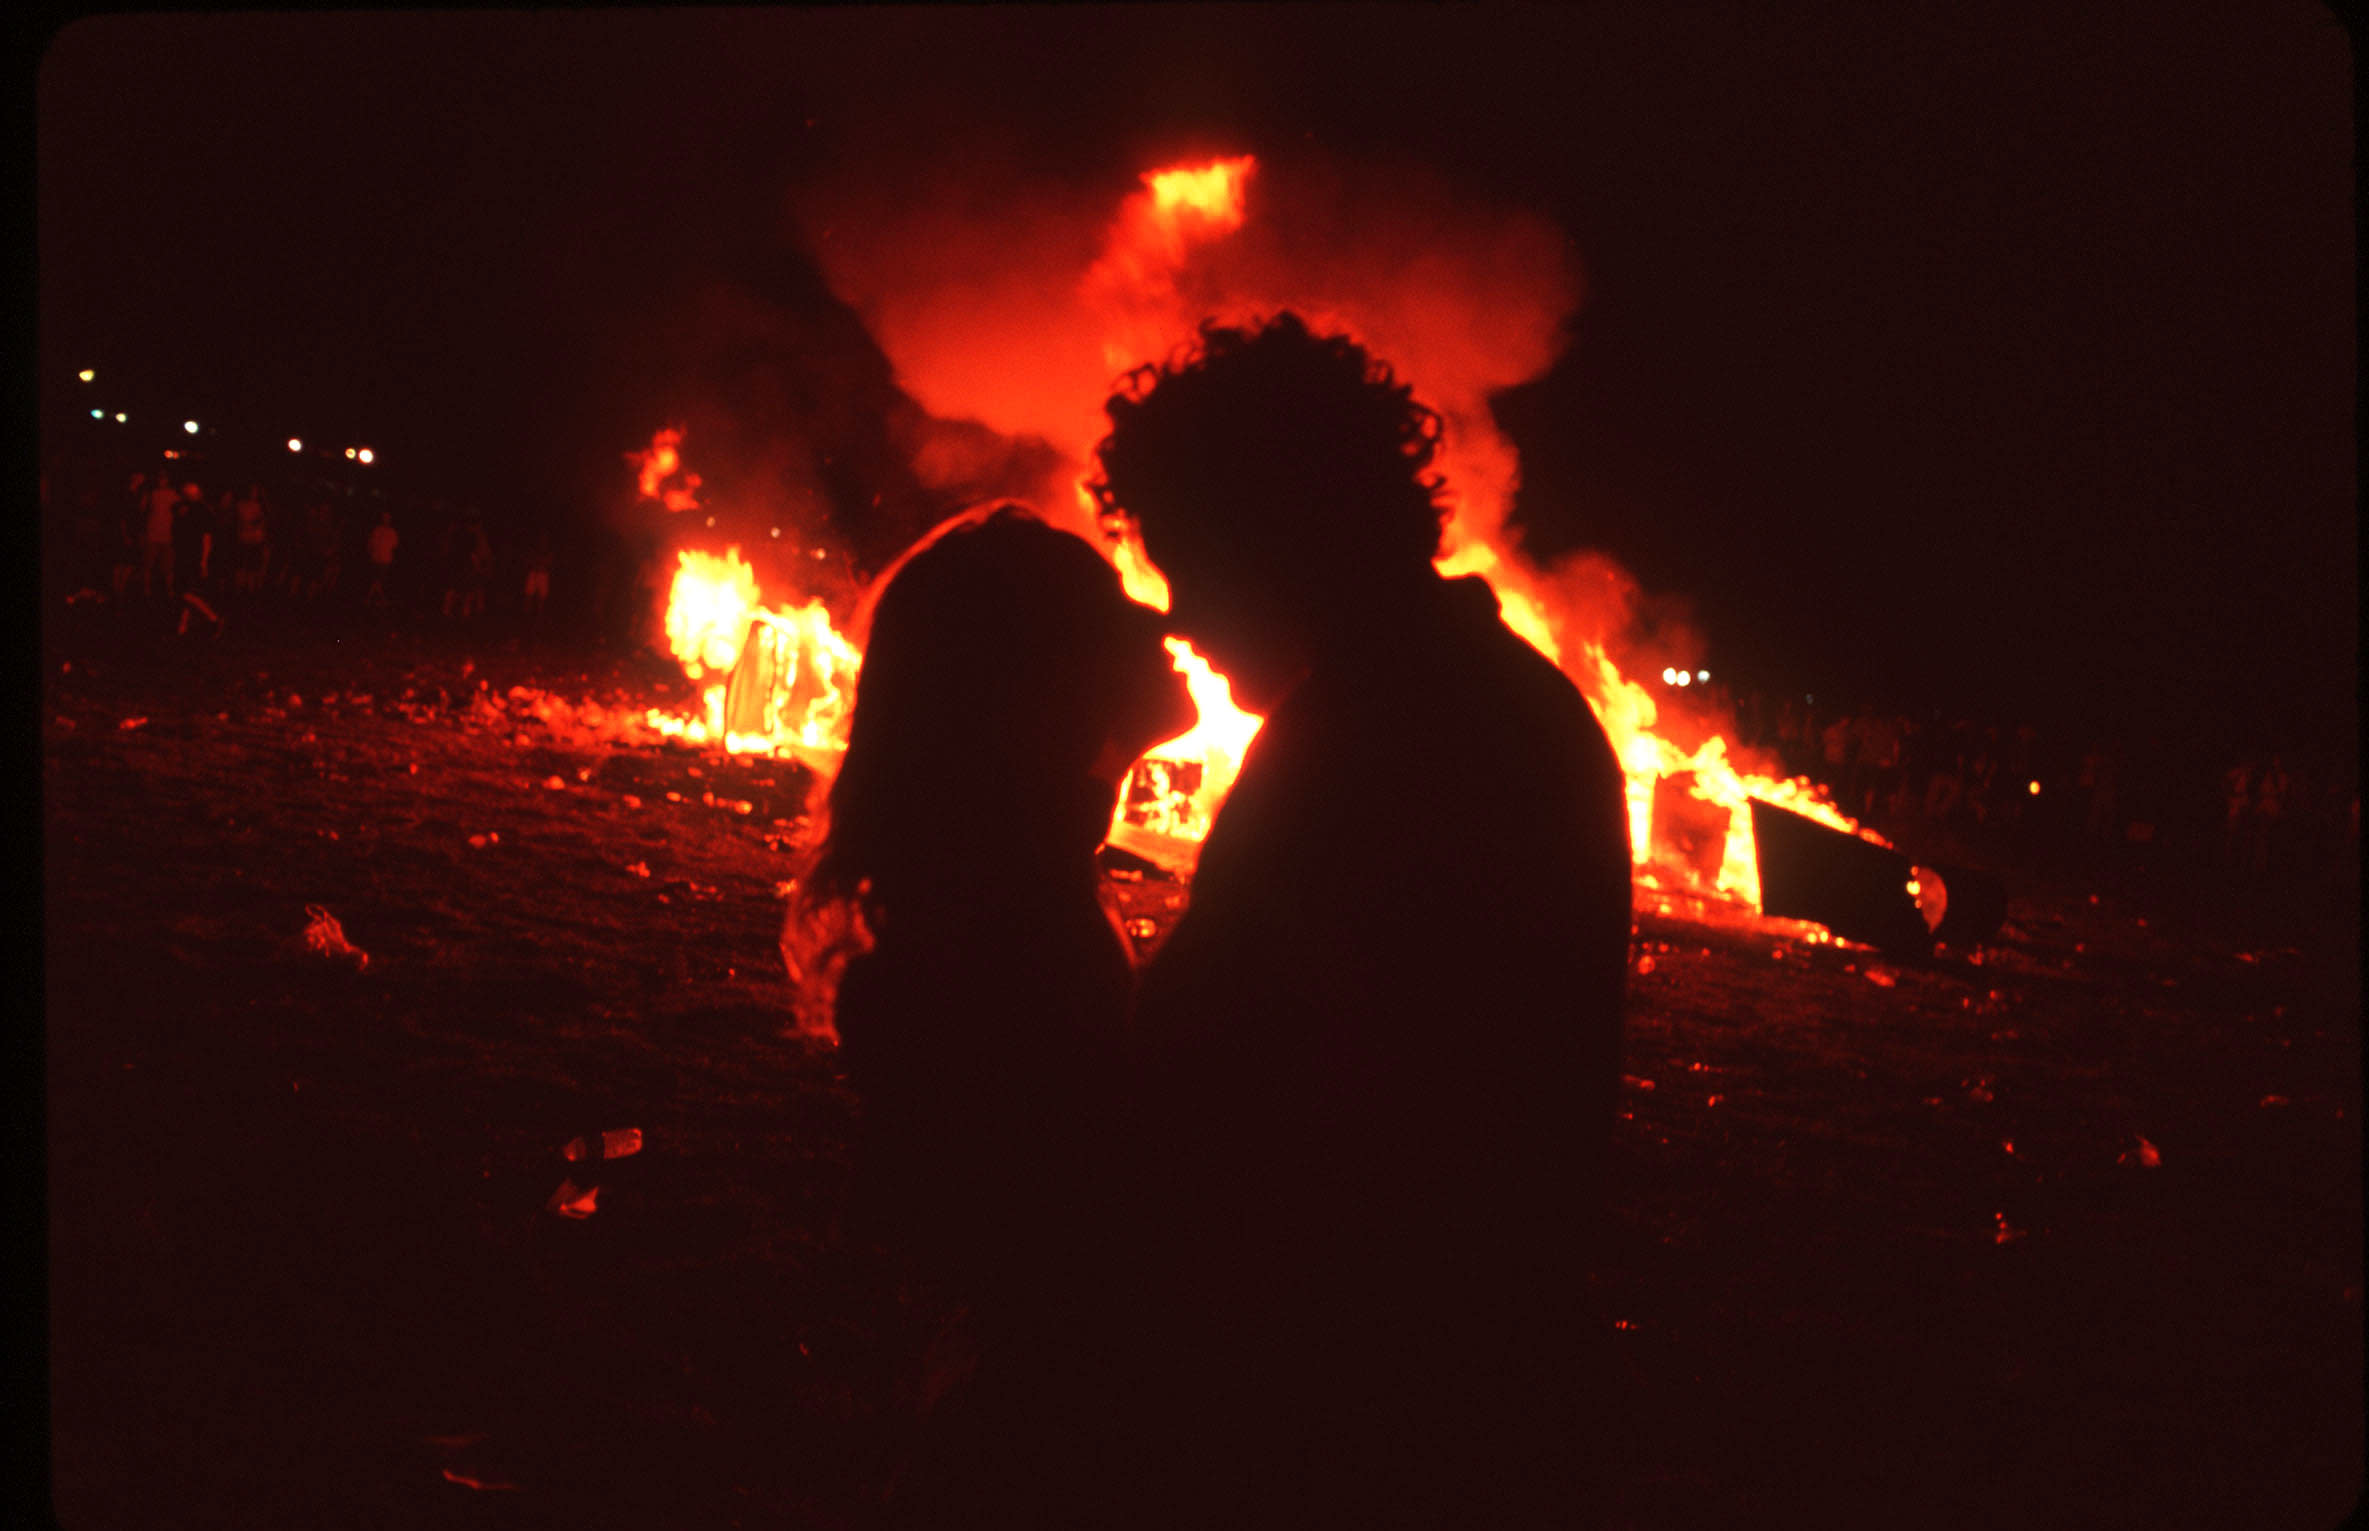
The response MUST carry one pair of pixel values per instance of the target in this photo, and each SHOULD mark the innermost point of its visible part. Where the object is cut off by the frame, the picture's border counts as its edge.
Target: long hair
(1001, 654)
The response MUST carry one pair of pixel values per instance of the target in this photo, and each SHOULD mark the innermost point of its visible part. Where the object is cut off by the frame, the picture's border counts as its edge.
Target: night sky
(1974, 357)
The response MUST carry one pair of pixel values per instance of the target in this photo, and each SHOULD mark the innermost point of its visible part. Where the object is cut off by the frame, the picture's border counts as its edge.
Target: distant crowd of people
(2276, 815)
(168, 543)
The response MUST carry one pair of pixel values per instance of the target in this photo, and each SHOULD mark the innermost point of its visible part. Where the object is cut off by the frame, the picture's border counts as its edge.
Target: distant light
(98, 414)
(711, 520)
(169, 452)
(1702, 675)
(120, 419)
(1684, 678)
(1669, 676)
(349, 454)
(777, 531)
(2035, 787)
(189, 426)
(87, 375)
(295, 444)
(365, 457)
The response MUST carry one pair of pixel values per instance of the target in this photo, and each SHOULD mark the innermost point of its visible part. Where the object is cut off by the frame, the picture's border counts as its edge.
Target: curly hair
(1286, 444)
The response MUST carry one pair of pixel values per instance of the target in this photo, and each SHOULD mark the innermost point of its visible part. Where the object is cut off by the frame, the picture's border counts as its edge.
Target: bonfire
(776, 671)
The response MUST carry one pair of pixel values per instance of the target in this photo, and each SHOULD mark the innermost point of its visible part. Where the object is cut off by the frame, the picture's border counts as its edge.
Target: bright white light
(365, 457)
(1684, 678)
(98, 414)
(777, 531)
(87, 375)
(295, 444)
(120, 419)
(189, 426)
(1702, 675)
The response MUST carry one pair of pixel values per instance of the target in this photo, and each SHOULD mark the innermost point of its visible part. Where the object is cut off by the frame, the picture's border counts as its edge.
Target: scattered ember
(615, 1143)
(465, 1481)
(327, 937)
(574, 1201)
(1644, 964)
(2007, 1232)
(639, 869)
(133, 723)
(2274, 1100)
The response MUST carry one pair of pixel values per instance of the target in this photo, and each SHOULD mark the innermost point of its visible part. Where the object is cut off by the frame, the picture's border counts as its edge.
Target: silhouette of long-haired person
(949, 924)
(1384, 1038)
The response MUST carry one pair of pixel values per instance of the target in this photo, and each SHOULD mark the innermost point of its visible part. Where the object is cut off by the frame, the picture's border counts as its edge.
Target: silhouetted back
(1384, 1040)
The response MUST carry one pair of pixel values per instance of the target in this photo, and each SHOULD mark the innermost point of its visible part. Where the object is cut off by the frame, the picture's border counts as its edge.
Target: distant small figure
(254, 539)
(475, 555)
(192, 548)
(381, 550)
(2271, 793)
(538, 578)
(156, 562)
(2237, 811)
(130, 515)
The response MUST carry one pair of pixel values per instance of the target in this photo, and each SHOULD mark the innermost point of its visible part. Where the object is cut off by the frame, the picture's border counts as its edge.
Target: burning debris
(326, 936)
(1865, 892)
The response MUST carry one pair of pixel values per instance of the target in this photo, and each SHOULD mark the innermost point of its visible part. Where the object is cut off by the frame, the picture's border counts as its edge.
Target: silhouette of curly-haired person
(1383, 1042)
(949, 924)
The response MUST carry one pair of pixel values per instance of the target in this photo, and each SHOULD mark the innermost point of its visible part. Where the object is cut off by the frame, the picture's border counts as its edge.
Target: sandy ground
(1889, 1248)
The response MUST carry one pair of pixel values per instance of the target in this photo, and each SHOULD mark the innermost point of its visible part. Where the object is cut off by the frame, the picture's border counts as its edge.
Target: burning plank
(1860, 891)
(1866, 892)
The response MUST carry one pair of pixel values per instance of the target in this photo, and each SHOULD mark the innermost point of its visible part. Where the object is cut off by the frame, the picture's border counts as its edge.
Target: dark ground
(301, 1274)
